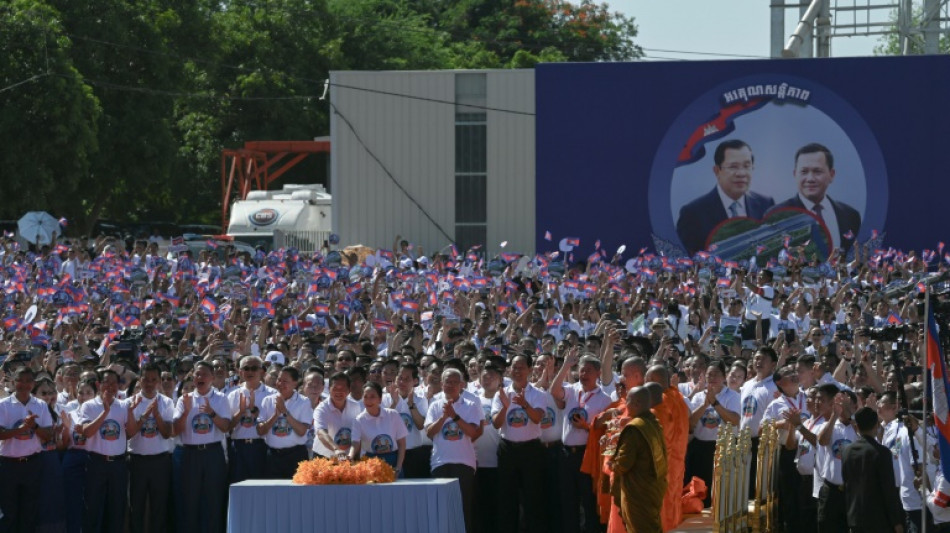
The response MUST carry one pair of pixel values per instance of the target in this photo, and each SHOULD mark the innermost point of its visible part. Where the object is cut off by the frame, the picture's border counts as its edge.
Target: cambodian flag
(209, 306)
(290, 325)
(941, 400)
(849, 235)
(547, 236)
(321, 309)
(572, 241)
(382, 325)
(724, 283)
(409, 306)
(894, 319)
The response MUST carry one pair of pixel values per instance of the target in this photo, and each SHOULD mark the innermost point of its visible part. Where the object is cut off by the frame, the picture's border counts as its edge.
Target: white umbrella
(38, 227)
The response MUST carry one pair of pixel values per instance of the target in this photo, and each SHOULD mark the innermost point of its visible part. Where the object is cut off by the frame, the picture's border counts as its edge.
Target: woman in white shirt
(379, 432)
(710, 408)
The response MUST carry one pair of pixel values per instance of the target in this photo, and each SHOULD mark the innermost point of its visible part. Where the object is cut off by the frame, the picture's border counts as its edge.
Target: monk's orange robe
(673, 416)
(593, 465)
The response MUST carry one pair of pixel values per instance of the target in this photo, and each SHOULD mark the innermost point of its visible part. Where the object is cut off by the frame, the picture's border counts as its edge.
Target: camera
(892, 333)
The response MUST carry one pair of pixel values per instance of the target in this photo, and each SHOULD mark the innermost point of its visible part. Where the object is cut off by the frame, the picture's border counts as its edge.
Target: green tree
(890, 43)
(48, 125)
(582, 31)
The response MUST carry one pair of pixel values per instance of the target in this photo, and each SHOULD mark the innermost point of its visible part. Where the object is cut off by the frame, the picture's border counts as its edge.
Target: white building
(434, 156)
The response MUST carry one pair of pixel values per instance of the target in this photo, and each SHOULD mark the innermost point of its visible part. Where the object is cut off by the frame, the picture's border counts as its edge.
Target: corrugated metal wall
(414, 140)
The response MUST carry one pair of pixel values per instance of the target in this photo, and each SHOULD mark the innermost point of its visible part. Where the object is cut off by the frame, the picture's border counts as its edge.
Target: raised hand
(503, 396)
(242, 405)
(793, 416)
(448, 411)
(206, 407)
(519, 399)
(186, 402)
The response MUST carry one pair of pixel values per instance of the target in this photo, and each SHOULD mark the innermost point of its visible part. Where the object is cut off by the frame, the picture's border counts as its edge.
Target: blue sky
(671, 28)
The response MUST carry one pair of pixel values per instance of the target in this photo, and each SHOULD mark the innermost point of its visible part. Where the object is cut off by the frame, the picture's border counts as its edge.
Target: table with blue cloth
(410, 506)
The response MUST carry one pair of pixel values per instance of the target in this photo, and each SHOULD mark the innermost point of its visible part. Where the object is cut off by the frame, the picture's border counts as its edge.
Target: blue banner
(744, 158)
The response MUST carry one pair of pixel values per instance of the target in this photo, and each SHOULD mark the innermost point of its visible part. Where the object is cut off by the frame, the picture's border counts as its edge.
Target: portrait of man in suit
(733, 166)
(814, 173)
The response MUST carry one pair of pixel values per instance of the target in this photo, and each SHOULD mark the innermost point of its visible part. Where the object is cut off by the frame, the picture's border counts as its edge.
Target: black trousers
(486, 500)
(246, 459)
(807, 506)
(520, 480)
(20, 493)
(107, 488)
(551, 478)
(281, 463)
(832, 509)
(700, 460)
(150, 477)
(417, 465)
(203, 488)
(466, 476)
(577, 492)
(788, 489)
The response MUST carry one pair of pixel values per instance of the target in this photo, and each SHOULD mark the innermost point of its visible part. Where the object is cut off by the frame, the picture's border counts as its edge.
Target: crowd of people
(140, 383)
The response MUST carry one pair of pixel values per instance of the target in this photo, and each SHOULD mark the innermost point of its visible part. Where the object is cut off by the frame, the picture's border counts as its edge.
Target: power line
(272, 71)
(22, 82)
(388, 173)
(434, 100)
(714, 54)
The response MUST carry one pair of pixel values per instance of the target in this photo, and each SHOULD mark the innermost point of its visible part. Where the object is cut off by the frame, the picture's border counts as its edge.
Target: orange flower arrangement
(334, 472)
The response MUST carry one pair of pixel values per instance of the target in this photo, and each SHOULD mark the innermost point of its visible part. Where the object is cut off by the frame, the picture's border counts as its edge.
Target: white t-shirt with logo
(828, 458)
(707, 428)
(450, 445)
(282, 434)
(486, 446)
(761, 303)
(777, 408)
(78, 442)
(517, 427)
(587, 405)
(552, 422)
(337, 423)
(755, 397)
(148, 440)
(895, 439)
(110, 438)
(246, 427)
(199, 426)
(414, 439)
(12, 415)
(379, 434)
(805, 454)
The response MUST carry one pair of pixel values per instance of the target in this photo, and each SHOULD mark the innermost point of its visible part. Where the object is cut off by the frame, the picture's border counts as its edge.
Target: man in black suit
(733, 166)
(873, 502)
(814, 172)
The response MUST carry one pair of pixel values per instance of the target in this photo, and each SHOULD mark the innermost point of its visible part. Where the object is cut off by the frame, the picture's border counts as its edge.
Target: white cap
(275, 357)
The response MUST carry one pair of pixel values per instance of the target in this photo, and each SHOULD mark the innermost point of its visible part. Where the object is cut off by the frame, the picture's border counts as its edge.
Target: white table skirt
(409, 506)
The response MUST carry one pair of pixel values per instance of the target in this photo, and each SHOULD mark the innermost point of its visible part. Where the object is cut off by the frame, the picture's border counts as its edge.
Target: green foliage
(133, 100)
(890, 44)
(49, 124)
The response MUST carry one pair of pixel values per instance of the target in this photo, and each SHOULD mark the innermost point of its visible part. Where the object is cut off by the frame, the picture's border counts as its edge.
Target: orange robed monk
(673, 415)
